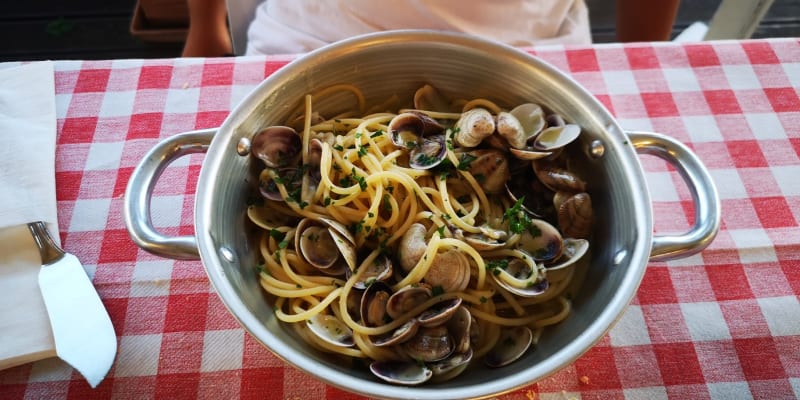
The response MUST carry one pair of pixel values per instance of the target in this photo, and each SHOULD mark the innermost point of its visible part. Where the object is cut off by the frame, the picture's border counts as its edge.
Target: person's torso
(297, 26)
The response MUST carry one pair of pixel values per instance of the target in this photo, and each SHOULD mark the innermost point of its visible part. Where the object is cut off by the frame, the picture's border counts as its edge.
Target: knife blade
(82, 329)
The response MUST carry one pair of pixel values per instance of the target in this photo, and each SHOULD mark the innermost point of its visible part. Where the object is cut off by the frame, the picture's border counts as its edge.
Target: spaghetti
(362, 207)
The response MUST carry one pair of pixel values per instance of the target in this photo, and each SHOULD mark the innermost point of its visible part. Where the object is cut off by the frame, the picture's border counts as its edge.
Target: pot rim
(210, 254)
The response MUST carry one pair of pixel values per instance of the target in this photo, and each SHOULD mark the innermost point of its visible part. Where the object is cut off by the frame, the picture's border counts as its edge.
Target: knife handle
(48, 248)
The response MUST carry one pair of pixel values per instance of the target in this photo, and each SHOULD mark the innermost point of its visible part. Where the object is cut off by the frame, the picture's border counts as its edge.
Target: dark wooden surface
(100, 29)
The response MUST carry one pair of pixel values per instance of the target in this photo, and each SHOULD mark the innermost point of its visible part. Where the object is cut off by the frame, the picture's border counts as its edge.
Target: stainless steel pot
(398, 62)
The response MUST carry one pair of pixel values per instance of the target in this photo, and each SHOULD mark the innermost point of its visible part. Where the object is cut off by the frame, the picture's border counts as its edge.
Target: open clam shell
(379, 270)
(512, 344)
(556, 137)
(406, 299)
(401, 372)
(430, 344)
(331, 329)
(277, 146)
(373, 304)
(515, 278)
(574, 250)
(439, 313)
(400, 335)
(428, 152)
(542, 241)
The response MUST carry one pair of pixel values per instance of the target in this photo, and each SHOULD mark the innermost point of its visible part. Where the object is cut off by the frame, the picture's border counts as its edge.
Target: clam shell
(556, 137)
(542, 241)
(575, 216)
(400, 335)
(331, 329)
(473, 126)
(531, 117)
(430, 344)
(277, 146)
(401, 372)
(490, 168)
(512, 344)
(373, 304)
(439, 313)
(405, 299)
(428, 98)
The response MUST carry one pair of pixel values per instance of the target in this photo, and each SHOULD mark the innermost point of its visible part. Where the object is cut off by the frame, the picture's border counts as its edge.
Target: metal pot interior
(397, 63)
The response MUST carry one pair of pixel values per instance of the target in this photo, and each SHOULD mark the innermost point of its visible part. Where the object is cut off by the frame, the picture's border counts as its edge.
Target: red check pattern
(719, 325)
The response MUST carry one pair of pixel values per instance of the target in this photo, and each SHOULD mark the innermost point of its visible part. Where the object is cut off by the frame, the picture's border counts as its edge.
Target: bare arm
(208, 29)
(643, 20)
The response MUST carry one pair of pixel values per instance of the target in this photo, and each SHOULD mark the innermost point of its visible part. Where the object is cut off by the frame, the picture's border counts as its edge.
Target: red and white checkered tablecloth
(724, 324)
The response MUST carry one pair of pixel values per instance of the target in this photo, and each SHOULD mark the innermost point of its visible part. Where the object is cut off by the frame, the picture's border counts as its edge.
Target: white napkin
(27, 153)
(27, 194)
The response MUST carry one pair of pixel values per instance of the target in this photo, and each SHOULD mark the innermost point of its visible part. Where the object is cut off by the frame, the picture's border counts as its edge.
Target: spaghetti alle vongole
(423, 239)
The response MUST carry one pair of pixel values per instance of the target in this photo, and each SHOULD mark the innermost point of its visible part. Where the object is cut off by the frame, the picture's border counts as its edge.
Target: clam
(317, 246)
(428, 98)
(290, 177)
(421, 135)
(574, 250)
(474, 126)
(266, 219)
(323, 247)
(267, 186)
(379, 270)
(331, 329)
(406, 129)
(556, 137)
(399, 335)
(541, 240)
(479, 241)
(412, 246)
(373, 304)
(509, 127)
(428, 153)
(299, 123)
(449, 271)
(575, 216)
(452, 366)
(344, 240)
(315, 152)
(459, 326)
(529, 154)
(512, 344)
(430, 344)
(514, 279)
(555, 120)
(531, 117)
(534, 195)
(406, 299)
(277, 146)
(439, 313)
(489, 167)
(407, 373)
(558, 179)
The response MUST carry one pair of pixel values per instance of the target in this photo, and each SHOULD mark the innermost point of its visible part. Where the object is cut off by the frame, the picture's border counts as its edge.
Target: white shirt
(298, 26)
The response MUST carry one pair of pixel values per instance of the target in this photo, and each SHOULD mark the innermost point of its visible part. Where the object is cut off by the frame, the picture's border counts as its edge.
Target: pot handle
(136, 206)
(704, 195)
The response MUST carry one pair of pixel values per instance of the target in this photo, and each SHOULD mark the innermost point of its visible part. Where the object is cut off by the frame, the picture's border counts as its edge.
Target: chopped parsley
(518, 219)
(437, 290)
(465, 161)
(424, 159)
(276, 234)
